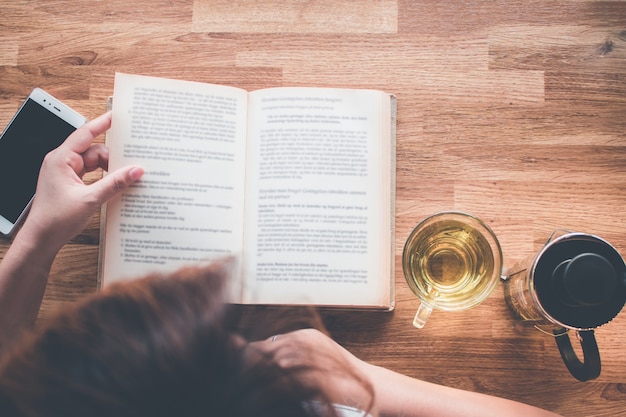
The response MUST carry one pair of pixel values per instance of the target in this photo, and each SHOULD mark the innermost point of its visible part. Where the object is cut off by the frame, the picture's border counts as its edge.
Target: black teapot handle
(582, 371)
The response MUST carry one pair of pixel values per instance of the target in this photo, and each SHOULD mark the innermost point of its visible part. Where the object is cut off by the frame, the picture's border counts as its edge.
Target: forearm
(400, 395)
(23, 277)
(62, 207)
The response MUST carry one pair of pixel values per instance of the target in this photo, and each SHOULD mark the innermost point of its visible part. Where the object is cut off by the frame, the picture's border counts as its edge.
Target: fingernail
(135, 173)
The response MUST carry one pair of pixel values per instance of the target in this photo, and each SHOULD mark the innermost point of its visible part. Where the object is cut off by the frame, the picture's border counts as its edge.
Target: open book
(297, 184)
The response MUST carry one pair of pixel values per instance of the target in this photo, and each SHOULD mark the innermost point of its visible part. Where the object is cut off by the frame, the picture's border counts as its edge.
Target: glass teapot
(576, 282)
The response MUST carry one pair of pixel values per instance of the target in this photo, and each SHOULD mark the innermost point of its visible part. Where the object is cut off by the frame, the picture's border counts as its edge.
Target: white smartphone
(40, 125)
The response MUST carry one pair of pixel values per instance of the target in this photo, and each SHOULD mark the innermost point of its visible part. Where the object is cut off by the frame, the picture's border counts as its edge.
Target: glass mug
(452, 261)
(576, 282)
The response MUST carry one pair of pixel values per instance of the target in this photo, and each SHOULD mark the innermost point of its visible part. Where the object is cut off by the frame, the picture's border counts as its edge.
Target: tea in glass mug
(452, 261)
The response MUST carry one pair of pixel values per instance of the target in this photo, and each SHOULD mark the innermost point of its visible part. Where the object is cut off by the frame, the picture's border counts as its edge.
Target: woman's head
(159, 346)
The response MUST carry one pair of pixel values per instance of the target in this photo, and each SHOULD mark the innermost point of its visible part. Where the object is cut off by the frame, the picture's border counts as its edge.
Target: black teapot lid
(580, 281)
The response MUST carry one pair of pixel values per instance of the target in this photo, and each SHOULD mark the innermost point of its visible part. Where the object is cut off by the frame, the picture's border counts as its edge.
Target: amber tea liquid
(451, 265)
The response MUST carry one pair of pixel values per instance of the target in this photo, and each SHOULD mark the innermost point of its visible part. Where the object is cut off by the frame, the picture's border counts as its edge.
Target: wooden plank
(282, 16)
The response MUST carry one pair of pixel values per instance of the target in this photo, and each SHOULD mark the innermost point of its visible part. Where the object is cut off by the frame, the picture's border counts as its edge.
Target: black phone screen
(33, 133)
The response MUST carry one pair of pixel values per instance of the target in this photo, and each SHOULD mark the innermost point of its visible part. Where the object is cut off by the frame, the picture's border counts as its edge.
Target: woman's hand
(63, 203)
(320, 363)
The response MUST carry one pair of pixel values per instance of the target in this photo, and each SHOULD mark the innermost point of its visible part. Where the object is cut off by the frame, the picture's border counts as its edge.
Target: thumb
(115, 182)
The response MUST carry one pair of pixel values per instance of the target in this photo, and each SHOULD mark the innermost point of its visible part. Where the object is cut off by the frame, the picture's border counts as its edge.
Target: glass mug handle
(590, 367)
(423, 312)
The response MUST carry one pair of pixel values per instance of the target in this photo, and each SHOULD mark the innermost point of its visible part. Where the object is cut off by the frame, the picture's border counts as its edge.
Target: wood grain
(514, 111)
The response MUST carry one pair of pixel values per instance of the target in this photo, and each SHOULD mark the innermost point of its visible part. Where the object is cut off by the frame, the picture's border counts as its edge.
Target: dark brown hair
(158, 346)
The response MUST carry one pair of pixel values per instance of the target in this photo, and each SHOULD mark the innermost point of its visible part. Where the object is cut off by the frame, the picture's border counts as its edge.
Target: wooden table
(514, 111)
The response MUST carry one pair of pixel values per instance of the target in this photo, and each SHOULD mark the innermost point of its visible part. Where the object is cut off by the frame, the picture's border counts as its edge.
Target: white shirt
(347, 411)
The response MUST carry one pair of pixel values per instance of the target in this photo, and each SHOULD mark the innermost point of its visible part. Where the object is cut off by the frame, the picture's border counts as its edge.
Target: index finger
(80, 140)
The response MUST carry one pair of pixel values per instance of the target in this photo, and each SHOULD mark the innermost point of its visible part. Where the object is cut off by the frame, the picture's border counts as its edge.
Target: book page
(190, 139)
(318, 198)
